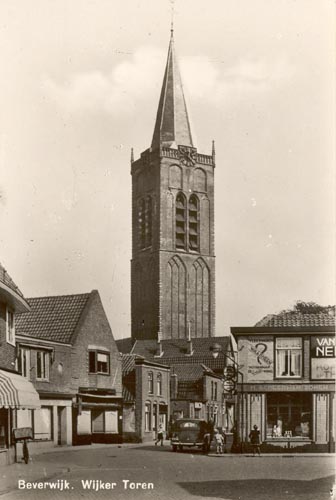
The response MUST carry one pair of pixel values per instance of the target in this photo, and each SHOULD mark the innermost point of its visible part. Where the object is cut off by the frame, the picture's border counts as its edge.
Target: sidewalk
(37, 470)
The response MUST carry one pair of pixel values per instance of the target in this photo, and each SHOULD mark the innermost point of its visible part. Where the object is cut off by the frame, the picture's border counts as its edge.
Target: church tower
(173, 260)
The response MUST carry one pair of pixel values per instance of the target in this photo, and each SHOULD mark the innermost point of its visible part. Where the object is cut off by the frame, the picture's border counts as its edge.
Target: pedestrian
(219, 442)
(159, 435)
(255, 439)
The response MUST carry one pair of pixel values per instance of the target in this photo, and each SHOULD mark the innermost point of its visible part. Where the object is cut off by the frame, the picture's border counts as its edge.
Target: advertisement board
(322, 357)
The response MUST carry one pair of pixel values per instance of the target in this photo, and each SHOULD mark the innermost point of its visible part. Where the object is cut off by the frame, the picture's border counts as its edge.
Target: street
(135, 471)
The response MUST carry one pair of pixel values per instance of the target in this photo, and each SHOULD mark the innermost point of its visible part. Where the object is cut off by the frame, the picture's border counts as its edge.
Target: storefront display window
(289, 357)
(289, 415)
(3, 428)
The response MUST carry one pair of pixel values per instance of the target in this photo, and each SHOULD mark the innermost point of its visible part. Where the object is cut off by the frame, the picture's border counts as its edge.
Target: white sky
(80, 83)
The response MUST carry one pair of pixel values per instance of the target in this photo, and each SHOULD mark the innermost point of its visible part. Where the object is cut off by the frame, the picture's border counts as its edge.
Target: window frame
(45, 366)
(159, 384)
(24, 362)
(150, 379)
(96, 371)
(290, 358)
(148, 418)
(10, 329)
(183, 224)
(195, 224)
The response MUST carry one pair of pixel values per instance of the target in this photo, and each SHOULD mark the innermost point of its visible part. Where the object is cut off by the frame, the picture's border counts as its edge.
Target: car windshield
(187, 425)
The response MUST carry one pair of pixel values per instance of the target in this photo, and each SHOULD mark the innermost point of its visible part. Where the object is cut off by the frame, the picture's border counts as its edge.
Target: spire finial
(132, 155)
(172, 19)
(213, 150)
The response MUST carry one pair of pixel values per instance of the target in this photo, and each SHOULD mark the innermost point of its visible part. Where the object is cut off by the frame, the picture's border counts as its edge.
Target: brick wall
(7, 351)
(95, 330)
(169, 287)
(143, 396)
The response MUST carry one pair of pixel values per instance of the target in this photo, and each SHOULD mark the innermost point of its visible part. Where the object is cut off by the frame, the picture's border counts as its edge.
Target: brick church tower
(173, 260)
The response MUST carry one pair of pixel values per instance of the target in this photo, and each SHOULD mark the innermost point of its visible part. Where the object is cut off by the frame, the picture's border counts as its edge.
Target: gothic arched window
(194, 223)
(180, 221)
(145, 219)
(148, 220)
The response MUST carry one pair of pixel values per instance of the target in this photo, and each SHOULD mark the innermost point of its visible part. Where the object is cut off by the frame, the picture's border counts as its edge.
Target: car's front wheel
(174, 448)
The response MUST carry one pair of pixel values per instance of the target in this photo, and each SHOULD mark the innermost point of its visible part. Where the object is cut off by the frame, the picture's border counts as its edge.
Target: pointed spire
(172, 126)
(132, 156)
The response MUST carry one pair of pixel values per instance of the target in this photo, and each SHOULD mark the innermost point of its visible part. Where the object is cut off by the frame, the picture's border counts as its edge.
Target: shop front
(287, 388)
(17, 395)
(97, 418)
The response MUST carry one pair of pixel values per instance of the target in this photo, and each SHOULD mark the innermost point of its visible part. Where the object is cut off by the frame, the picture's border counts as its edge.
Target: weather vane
(172, 3)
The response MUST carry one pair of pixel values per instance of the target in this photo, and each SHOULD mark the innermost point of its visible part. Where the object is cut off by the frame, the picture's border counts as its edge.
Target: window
(24, 362)
(289, 357)
(215, 391)
(159, 384)
(147, 417)
(99, 362)
(150, 383)
(289, 415)
(10, 327)
(43, 423)
(180, 228)
(42, 365)
(193, 223)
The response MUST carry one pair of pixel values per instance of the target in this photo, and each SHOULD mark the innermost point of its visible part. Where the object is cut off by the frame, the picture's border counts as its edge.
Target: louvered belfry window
(181, 223)
(193, 223)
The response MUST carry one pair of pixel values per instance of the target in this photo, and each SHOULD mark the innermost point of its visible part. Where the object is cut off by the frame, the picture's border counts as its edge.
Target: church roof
(172, 126)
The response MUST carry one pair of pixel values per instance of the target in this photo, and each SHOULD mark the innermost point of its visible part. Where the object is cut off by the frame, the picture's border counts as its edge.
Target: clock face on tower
(187, 155)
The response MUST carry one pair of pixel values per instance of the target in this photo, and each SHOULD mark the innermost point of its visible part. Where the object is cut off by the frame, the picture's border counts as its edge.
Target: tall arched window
(145, 219)
(150, 383)
(148, 219)
(142, 224)
(159, 384)
(193, 223)
(181, 223)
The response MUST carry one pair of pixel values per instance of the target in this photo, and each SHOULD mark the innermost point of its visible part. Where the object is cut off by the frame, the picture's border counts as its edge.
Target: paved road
(173, 476)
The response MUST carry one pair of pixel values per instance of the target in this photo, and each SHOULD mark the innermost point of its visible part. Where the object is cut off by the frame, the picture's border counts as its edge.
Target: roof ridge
(60, 296)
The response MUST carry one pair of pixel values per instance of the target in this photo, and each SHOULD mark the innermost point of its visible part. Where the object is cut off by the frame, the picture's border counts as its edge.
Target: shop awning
(17, 392)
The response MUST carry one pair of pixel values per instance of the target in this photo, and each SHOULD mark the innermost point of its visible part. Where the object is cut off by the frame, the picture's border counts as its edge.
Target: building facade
(173, 260)
(192, 362)
(146, 398)
(287, 381)
(17, 395)
(67, 350)
(197, 392)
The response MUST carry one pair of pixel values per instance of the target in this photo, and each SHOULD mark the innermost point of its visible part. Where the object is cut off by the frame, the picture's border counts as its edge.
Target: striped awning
(17, 392)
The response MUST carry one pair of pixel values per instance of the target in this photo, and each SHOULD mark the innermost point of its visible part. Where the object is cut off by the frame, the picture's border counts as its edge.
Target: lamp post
(216, 349)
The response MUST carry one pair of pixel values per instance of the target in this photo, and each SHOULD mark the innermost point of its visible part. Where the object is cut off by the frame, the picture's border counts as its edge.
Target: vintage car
(190, 432)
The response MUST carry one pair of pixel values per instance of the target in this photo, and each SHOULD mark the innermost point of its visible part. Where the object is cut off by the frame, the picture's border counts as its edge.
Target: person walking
(255, 439)
(159, 435)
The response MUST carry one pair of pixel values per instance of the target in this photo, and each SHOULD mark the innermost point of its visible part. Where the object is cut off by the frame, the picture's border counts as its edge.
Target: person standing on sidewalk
(219, 442)
(159, 435)
(255, 439)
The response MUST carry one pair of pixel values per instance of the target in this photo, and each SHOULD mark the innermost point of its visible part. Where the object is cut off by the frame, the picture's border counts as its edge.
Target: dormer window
(10, 327)
(42, 365)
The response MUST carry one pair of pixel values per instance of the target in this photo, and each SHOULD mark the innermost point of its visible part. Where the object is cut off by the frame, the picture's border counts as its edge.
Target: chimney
(159, 351)
(173, 386)
(190, 347)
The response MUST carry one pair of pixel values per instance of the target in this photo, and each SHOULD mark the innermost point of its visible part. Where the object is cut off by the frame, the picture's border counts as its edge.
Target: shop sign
(322, 351)
(323, 347)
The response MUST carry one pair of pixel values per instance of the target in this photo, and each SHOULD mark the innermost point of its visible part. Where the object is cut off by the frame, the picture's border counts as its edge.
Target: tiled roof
(125, 345)
(7, 280)
(294, 319)
(128, 377)
(190, 372)
(176, 350)
(52, 318)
